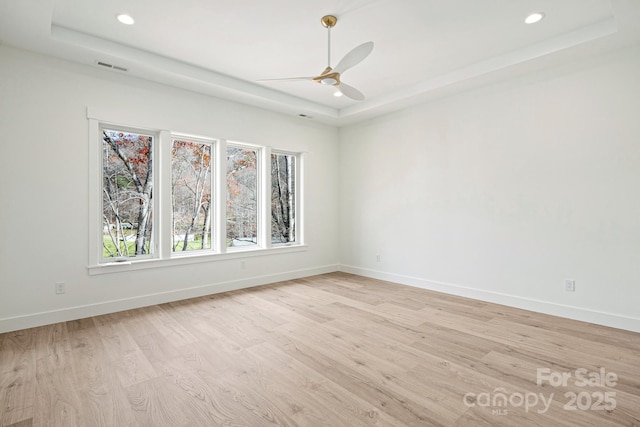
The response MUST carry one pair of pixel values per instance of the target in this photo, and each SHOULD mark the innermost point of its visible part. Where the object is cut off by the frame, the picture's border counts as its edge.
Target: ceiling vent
(113, 67)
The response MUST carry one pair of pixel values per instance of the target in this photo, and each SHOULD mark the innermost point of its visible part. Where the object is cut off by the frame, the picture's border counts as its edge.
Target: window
(242, 196)
(191, 172)
(283, 198)
(163, 197)
(127, 193)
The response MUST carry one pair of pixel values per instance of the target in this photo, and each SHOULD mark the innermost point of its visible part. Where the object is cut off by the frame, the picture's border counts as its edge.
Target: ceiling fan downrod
(329, 21)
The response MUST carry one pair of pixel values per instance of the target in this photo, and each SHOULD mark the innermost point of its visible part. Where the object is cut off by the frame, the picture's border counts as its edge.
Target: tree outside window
(283, 200)
(242, 196)
(191, 174)
(127, 193)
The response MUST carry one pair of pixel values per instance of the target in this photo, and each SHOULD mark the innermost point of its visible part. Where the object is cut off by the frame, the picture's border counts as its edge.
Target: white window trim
(166, 193)
(297, 197)
(157, 140)
(261, 200)
(264, 227)
(163, 255)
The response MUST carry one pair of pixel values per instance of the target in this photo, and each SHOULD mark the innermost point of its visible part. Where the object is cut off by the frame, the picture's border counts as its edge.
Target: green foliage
(109, 247)
(123, 182)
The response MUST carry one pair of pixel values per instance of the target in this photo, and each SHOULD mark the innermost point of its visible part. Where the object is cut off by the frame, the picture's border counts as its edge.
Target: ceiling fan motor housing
(329, 21)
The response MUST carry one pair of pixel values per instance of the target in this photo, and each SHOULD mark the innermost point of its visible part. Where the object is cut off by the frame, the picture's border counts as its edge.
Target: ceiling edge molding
(148, 65)
(416, 93)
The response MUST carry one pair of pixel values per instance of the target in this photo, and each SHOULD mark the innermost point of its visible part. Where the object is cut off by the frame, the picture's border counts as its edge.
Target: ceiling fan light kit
(331, 76)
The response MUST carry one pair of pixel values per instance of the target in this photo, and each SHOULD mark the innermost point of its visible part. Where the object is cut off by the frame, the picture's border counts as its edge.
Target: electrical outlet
(60, 288)
(243, 265)
(570, 285)
(377, 258)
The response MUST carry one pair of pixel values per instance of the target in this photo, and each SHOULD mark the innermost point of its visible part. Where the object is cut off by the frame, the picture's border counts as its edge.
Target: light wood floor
(330, 350)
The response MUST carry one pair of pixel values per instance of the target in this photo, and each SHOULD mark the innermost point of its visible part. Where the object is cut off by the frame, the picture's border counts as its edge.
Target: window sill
(179, 259)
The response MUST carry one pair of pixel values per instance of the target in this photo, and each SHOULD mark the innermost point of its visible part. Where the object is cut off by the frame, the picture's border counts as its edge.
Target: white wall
(44, 189)
(502, 193)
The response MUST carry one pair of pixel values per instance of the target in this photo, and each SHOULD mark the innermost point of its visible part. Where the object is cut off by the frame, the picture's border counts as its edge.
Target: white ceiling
(423, 48)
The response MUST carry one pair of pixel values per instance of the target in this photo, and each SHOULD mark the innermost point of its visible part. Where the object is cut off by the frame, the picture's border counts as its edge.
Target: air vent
(115, 67)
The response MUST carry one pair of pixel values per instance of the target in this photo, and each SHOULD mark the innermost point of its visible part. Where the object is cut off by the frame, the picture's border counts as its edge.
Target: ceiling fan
(331, 76)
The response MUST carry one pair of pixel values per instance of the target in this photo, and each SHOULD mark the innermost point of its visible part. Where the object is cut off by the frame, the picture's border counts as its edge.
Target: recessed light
(534, 17)
(125, 19)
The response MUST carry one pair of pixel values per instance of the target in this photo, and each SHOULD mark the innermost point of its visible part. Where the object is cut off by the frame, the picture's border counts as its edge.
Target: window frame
(260, 196)
(97, 155)
(213, 178)
(163, 254)
(296, 197)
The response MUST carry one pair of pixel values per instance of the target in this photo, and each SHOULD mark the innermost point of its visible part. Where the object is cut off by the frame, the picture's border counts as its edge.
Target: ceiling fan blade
(351, 92)
(286, 79)
(354, 57)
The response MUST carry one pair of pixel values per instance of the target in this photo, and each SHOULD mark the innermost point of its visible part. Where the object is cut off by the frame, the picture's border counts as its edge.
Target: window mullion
(164, 207)
(264, 199)
(220, 198)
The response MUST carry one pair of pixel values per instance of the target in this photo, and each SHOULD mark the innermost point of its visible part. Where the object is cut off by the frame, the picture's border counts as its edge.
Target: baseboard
(72, 313)
(575, 313)
(49, 317)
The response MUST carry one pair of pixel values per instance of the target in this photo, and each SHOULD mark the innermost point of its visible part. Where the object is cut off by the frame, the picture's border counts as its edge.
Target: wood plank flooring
(329, 350)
